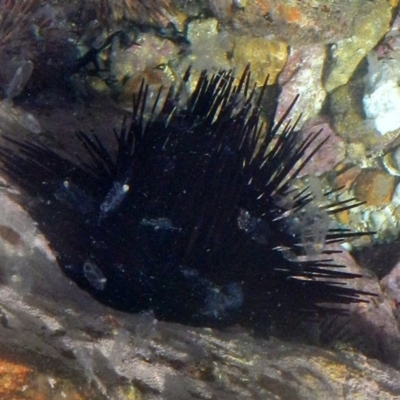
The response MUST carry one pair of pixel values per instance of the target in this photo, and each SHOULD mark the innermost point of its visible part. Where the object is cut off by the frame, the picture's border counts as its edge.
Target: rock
(265, 56)
(329, 155)
(372, 324)
(347, 177)
(382, 94)
(374, 187)
(370, 26)
(223, 9)
(347, 115)
(209, 47)
(141, 61)
(302, 75)
(391, 286)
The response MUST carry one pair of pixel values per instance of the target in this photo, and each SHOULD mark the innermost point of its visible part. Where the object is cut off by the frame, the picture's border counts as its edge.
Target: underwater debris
(219, 301)
(114, 198)
(74, 197)
(159, 223)
(18, 81)
(221, 174)
(94, 275)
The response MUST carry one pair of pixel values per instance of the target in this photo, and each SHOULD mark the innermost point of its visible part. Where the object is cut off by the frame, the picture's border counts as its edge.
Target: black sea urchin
(194, 215)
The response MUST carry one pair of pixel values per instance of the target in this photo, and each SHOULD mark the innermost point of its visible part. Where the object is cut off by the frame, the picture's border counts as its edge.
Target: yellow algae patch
(264, 56)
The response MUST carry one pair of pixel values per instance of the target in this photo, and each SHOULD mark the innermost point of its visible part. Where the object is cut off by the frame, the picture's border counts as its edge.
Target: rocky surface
(374, 187)
(302, 76)
(348, 52)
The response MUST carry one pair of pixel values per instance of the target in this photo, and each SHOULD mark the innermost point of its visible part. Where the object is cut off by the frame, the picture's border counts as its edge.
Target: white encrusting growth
(382, 96)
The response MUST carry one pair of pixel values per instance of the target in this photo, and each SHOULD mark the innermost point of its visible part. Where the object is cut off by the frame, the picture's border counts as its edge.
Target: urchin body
(192, 215)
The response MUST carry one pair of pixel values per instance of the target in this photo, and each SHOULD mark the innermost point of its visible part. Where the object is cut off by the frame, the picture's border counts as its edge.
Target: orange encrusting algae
(262, 6)
(21, 382)
(289, 13)
(13, 379)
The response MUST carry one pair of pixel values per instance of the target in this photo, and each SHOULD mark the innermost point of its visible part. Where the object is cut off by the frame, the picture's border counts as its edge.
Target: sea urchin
(195, 215)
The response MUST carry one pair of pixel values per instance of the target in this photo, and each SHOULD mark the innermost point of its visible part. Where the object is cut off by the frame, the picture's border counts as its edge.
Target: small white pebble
(347, 246)
(396, 195)
(52, 382)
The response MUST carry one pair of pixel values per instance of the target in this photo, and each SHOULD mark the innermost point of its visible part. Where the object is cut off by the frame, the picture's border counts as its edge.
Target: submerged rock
(374, 187)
